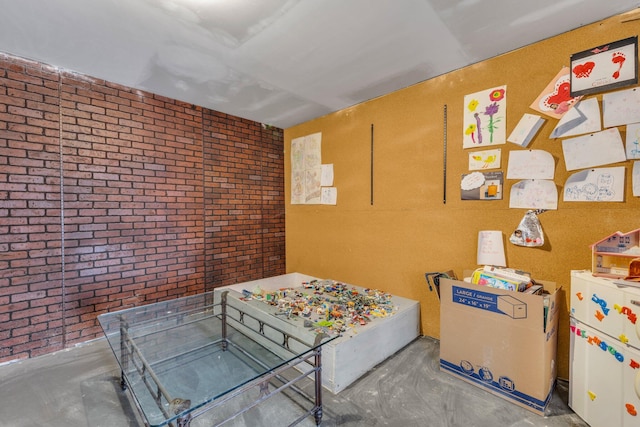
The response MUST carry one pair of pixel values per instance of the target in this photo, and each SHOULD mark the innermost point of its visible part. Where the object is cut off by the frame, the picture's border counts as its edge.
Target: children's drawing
(526, 129)
(530, 164)
(306, 169)
(596, 149)
(534, 194)
(326, 179)
(312, 188)
(604, 68)
(297, 154)
(312, 151)
(633, 141)
(596, 185)
(297, 187)
(555, 99)
(482, 186)
(486, 159)
(329, 196)
(621, 107)
(485, 115)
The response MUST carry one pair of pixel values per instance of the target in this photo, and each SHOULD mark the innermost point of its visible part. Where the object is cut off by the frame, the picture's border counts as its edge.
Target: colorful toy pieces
(328, 306)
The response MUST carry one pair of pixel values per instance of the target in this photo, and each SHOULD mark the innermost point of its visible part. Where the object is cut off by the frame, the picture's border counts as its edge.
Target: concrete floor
(79, 387)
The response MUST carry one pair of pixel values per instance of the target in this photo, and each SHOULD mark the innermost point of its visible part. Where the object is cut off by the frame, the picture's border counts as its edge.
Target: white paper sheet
(635, 177)
(526, 129)
(530, 164)
(306, 169)
(329, 196)
(583, 118)
(485, 159)
(491, 248)
(534, 194)
(326, 179)
(621, 108)
(632, 146)
(597, 149)
(596, 185)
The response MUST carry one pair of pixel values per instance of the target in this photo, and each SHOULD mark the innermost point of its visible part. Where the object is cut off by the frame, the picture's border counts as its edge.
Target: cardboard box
(502, 341)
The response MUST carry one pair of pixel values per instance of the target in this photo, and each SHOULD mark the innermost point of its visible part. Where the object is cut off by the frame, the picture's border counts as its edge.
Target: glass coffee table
(213, 353)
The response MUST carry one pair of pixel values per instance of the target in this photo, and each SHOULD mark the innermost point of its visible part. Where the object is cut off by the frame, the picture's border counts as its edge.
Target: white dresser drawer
(603, 305)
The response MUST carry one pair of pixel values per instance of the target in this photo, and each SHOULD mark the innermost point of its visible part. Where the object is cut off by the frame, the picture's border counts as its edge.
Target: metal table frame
(232, 313)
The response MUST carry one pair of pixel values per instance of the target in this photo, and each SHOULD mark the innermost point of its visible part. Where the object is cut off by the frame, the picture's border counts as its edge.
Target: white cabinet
(604, 376)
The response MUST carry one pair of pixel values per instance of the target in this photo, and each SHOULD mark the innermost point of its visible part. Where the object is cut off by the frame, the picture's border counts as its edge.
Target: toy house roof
(618, 234)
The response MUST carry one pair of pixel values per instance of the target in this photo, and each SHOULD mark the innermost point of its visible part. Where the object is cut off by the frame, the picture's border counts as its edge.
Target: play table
(211, 353)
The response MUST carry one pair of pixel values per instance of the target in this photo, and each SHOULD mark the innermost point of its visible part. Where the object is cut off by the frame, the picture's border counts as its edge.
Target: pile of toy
(326, 305)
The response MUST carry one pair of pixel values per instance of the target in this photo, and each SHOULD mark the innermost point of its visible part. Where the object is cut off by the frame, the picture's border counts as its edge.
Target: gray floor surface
(79, 387)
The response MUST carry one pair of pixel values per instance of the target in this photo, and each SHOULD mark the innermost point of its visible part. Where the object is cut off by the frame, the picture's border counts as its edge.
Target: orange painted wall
(408, 230)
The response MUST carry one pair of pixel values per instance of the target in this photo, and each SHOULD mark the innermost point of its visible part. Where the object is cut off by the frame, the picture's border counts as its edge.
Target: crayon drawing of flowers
(471, 131)
(491, 111)
(497, 94)
(484, 114)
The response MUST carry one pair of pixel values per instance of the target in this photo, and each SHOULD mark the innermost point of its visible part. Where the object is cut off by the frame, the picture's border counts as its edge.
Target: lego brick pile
(327, 306)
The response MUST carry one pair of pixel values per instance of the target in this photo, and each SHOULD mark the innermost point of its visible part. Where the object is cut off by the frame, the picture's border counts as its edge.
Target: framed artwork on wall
(606, 67)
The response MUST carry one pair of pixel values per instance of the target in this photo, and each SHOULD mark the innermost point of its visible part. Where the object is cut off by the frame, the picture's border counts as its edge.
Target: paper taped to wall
(596, 185)
(534, 194)
(596, 149)
(530, 164)
(526, 129)
(583, 118)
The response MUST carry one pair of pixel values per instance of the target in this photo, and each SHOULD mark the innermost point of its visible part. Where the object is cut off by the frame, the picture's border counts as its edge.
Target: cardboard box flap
(534, 311)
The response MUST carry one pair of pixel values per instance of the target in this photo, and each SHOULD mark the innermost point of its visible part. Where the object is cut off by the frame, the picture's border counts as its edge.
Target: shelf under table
(184, 357)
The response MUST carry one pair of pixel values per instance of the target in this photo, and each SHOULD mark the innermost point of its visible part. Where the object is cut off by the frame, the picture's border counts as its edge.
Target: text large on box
(505, 304)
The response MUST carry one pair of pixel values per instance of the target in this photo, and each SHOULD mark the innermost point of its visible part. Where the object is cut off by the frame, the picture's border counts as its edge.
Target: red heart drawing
(562, 94)
(583, 70)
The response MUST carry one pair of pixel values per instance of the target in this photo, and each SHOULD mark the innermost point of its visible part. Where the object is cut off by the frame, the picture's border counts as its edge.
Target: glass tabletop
(179, 355)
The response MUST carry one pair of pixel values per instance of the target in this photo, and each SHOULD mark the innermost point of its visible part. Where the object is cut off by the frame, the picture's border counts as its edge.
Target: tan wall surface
(409, 230)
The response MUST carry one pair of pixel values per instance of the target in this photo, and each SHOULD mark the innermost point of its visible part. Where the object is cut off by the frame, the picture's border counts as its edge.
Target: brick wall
(244, 204)
(111, 198)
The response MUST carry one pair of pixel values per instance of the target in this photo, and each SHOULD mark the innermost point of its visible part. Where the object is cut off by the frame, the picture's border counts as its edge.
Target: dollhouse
(612, 256)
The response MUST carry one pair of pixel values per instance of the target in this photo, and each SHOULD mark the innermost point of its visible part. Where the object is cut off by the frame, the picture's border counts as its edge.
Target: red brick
(147, 179)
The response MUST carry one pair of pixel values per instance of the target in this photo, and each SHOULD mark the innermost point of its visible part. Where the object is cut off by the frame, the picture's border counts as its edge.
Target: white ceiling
(281, 62)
